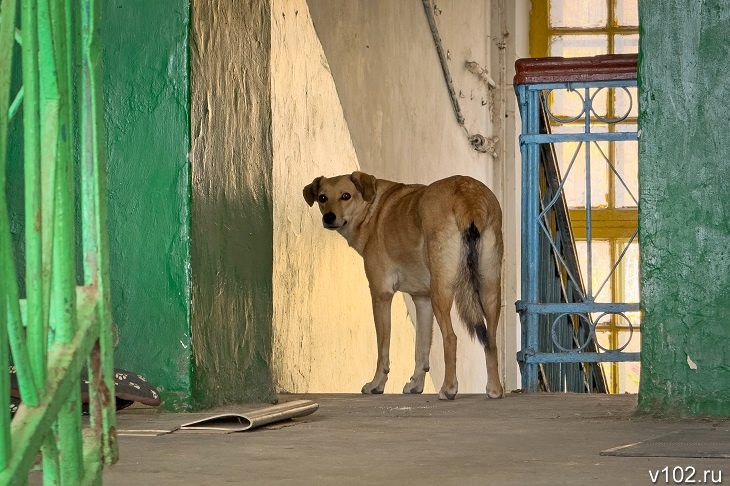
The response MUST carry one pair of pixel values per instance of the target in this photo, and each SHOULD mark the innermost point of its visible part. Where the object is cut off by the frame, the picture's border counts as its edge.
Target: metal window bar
(59, 327)
(557, 309)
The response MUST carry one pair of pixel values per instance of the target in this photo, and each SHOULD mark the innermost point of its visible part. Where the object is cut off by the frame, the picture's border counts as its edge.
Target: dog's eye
(322, 198)
(345, 196)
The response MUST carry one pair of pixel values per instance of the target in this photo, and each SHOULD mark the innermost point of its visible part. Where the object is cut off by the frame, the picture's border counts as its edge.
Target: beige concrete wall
(323, 333)
(403, 126)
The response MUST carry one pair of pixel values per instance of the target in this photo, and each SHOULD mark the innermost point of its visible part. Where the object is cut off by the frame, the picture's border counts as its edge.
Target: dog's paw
(377, 385)
(370, 389)
(410, 388)
(414, 386)
(496, 392)
(448, 392)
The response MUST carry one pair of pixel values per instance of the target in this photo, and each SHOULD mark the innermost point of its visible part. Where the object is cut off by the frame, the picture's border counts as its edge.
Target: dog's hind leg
(444, 253)
(424, 334)
(491, 302)
(381, 314)
(442, 299)
(490, 297)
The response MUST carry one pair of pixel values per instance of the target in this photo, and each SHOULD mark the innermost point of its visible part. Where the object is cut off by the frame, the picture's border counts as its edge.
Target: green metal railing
(59, 327)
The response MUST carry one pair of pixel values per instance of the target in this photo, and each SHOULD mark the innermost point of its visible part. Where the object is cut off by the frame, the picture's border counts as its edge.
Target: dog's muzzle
(329, 218)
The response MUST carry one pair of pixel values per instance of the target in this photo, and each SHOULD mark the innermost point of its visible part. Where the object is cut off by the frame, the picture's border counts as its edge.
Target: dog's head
(341, 198)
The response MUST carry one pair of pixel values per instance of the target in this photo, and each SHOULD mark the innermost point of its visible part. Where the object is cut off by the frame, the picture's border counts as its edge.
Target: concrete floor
(545, 439)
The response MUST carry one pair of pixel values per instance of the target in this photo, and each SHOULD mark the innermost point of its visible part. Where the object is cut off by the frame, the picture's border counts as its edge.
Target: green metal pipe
(64, 281)
(64, 268)
(51, 463)
(88, 159)
(88, 230)
(92, 453)
(59, 39)
(49, 104)
(36, 334)
(95, 183)
(37, 321)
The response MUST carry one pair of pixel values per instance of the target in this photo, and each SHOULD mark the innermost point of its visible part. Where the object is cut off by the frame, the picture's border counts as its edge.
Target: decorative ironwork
(587, 104)
(559, 312)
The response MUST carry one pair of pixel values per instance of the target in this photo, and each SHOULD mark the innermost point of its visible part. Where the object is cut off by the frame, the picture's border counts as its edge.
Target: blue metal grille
(558, 310)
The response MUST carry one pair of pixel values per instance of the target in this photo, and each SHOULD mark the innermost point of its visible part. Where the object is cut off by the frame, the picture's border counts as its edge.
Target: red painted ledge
(609, 67)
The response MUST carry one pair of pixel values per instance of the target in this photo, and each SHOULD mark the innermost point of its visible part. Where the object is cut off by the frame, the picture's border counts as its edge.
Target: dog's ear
(311, 191)
(365, 184)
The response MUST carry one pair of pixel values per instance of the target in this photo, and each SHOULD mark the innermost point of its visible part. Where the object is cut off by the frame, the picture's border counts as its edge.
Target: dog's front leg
(424, 334)
(381, 313)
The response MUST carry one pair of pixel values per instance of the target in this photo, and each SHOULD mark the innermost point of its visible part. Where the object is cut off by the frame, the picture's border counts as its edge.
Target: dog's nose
(329, 218)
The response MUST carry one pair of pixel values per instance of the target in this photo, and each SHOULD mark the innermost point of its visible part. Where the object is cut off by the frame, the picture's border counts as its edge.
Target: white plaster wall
(323, 332)
(403, 127)
(516, 23)
(509, 41)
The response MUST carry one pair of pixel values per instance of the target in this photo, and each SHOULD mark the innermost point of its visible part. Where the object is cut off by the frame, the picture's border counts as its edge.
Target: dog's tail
(468, 285)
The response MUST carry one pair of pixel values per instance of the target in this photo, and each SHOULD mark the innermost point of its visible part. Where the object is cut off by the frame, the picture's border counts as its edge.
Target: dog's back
(453, 228)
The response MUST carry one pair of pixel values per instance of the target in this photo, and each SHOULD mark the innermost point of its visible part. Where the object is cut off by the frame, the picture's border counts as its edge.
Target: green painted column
(147, 116)
(232, 208)
(684, 215)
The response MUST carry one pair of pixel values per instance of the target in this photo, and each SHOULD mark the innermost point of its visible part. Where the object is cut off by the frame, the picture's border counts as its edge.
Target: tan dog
(438, 243)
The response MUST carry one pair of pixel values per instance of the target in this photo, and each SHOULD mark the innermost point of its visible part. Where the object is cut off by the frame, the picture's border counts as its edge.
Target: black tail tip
(482, 336)
(472, 232)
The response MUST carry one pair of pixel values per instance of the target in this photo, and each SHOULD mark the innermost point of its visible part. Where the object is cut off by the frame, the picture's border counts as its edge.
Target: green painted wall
(232, 210)
(147, 110)
(684, 219)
